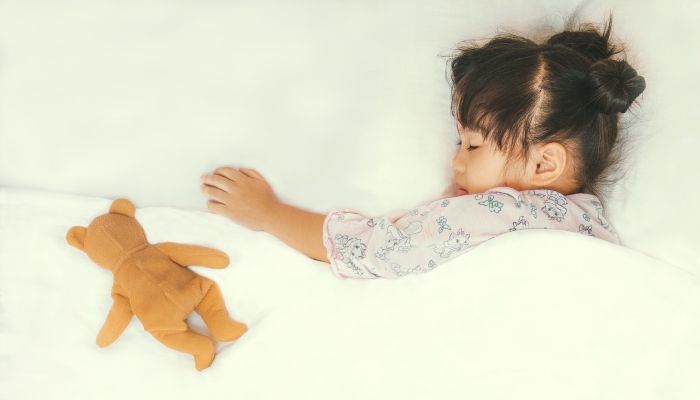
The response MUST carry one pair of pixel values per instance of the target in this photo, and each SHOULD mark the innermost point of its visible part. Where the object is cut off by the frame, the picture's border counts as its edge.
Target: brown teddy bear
(153, 282)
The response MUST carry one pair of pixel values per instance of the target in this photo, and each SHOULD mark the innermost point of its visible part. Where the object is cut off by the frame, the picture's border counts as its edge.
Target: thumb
(252, 174)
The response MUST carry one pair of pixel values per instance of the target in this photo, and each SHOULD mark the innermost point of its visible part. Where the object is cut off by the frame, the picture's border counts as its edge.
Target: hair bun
(613, 85)
(589, 43)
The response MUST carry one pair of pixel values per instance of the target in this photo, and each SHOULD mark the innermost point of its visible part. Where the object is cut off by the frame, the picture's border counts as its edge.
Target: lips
(460, 191)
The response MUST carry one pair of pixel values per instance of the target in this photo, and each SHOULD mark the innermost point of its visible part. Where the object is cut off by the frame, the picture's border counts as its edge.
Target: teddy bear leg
(214, 314)
(200, 346)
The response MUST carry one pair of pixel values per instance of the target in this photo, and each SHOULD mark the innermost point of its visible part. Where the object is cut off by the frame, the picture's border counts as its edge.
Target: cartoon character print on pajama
(554, 205)
(601, 218)
(416, 241)
(586, 230)
(520, 224)
(396, 268)
(351, 250)
(394, 236)
(454, 243)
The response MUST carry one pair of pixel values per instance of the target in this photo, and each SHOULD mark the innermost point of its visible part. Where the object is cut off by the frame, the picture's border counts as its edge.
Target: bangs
(497, 93)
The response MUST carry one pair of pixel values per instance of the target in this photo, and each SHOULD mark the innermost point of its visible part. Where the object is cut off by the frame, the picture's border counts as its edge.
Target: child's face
(479, 165)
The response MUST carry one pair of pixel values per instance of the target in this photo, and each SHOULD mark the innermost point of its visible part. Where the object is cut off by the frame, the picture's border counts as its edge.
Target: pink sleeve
(419, 240)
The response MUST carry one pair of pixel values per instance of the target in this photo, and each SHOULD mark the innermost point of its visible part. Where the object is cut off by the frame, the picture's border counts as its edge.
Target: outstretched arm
(245, 197)
(190, 254)
(117, 320)
(299, 229)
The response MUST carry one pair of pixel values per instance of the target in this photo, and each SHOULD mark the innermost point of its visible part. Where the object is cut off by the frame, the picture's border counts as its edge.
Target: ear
(76, 237)
(123, 206)
(548, 165)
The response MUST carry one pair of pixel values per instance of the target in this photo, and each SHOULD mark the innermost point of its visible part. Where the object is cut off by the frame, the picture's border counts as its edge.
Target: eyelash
(470, 148)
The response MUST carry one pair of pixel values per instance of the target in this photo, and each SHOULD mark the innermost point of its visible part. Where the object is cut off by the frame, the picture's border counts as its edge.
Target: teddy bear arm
(117, 320)
(189, 254)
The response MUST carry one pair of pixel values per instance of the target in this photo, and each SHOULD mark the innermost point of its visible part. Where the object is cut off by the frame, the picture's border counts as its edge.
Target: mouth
(461, 192)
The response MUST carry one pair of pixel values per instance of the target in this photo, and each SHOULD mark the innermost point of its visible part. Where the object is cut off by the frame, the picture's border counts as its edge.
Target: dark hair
(567, 89)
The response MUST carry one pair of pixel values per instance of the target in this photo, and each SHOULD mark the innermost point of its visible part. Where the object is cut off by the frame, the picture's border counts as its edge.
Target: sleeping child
(538, 138)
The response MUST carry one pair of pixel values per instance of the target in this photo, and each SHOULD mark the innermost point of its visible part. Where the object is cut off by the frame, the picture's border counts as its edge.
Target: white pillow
(337, 104)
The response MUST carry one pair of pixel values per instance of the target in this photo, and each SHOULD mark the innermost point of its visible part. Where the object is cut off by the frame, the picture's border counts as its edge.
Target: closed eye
(470, 148)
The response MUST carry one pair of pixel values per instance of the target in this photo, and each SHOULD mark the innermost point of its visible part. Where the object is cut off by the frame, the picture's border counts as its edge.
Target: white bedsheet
(528, 315)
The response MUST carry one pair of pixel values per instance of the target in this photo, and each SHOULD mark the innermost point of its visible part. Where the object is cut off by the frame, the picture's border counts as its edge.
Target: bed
(338, 105)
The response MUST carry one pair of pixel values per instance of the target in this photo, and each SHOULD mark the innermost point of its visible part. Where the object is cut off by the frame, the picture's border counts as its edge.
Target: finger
(218, 181)
(215, 206)
(216, 194)
(253, 174)
(231, 173)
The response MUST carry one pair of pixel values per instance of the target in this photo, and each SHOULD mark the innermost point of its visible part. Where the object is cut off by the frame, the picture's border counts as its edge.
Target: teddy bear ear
(76, 237)
(123, 206)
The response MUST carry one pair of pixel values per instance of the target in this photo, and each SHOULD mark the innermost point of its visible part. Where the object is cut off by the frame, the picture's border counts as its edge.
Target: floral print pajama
(417, 241)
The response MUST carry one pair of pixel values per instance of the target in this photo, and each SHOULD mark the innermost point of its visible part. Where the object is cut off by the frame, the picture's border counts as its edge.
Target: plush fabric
(153, 283)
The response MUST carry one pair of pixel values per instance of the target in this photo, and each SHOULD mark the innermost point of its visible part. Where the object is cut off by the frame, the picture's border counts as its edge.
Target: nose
(457, 165)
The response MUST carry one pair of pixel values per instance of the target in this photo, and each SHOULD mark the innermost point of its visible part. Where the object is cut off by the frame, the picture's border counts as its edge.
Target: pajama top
(418, 240)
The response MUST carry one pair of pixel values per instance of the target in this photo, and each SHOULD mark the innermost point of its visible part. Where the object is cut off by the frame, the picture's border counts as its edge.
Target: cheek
(472, 179)
(484, 172)
(479, 166)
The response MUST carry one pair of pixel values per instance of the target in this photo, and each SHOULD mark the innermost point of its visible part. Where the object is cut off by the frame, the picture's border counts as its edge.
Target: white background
(337, 104)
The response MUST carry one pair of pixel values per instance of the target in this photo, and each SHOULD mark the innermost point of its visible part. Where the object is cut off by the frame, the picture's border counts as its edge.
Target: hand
(242, 195)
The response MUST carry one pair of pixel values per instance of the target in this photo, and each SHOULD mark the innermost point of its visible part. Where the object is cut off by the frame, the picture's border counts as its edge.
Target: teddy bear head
(110, 237)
